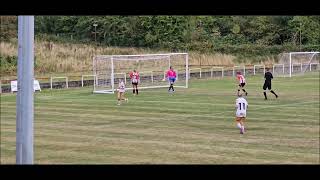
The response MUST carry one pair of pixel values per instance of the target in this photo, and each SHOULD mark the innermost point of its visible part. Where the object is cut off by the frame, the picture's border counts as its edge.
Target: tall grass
(77, 58)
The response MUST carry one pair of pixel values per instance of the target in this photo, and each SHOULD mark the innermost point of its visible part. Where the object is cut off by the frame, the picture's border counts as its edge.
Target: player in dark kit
(267, 84)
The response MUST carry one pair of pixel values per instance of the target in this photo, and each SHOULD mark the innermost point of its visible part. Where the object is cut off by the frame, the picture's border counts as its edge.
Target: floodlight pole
(25, 106)
(300, 36)
(95, 32)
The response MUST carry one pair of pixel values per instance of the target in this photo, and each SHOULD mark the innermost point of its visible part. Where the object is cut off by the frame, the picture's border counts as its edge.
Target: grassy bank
(60, 58)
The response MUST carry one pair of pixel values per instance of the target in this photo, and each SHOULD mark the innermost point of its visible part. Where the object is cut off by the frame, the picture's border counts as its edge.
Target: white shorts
(121, 90)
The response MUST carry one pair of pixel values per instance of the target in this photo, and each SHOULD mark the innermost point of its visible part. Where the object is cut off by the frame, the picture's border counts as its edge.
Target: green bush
(9, 64)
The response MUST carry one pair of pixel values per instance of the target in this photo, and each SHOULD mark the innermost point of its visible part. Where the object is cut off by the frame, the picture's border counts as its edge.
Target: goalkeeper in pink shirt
(171, 75)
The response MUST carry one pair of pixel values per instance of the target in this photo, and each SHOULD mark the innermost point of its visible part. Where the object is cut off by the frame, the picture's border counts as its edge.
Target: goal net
(296, 63)
(110, 69)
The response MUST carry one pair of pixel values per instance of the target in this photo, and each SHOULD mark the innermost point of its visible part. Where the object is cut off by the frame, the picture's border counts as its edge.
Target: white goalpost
(297, 63)
(110, 69)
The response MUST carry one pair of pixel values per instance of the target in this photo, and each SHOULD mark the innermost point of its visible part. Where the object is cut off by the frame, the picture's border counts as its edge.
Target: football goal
(110, 69)
(297, 63)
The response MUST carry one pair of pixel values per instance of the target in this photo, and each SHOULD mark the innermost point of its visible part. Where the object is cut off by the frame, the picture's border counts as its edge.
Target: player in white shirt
(241, 113)
(121, 91)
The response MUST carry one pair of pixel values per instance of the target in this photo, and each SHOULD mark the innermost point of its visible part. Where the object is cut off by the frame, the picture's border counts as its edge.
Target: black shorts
(242, 84)
(135, 83)
(267, 85)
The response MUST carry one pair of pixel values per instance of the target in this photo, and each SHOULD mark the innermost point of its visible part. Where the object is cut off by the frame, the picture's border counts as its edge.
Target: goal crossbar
(142, 55)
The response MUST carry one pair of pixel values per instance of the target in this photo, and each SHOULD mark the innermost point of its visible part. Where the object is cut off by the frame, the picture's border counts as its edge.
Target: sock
(172, 87)
(274, 93)
(134, 91)
(243, 90)
(265, 95)
(239, 125)
(137, 91)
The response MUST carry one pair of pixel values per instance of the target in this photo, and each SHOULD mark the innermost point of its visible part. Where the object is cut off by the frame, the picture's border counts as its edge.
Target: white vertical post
(94, 82)
(112, 75)
(67, 82)
(222, 72)
(97, 80)
(289, 66)
(264, 69)
(51, 82)
(82, 81)
(200, 73)
(273, 69)
(152, 77)
(233, 71)
(187, 70)
(25, 105)
(254, 69)
(301, 68)
(310, 67)
(94, 73)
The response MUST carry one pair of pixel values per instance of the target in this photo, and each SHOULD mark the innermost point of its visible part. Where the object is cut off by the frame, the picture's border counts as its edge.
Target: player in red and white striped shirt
(242, 82)
(135, 79)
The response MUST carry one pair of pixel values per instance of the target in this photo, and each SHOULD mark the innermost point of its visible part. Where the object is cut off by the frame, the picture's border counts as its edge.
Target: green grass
(194, 125)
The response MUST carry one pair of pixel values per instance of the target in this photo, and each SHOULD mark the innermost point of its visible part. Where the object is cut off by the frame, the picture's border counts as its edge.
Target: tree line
(256, 35)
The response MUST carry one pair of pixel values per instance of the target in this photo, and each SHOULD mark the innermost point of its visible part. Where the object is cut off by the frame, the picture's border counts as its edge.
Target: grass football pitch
(191, 126)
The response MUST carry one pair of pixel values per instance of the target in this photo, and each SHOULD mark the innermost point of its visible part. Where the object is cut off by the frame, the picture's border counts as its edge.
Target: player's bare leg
(119, 98)
(242, 126)
(239, 124)
(123, 98)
